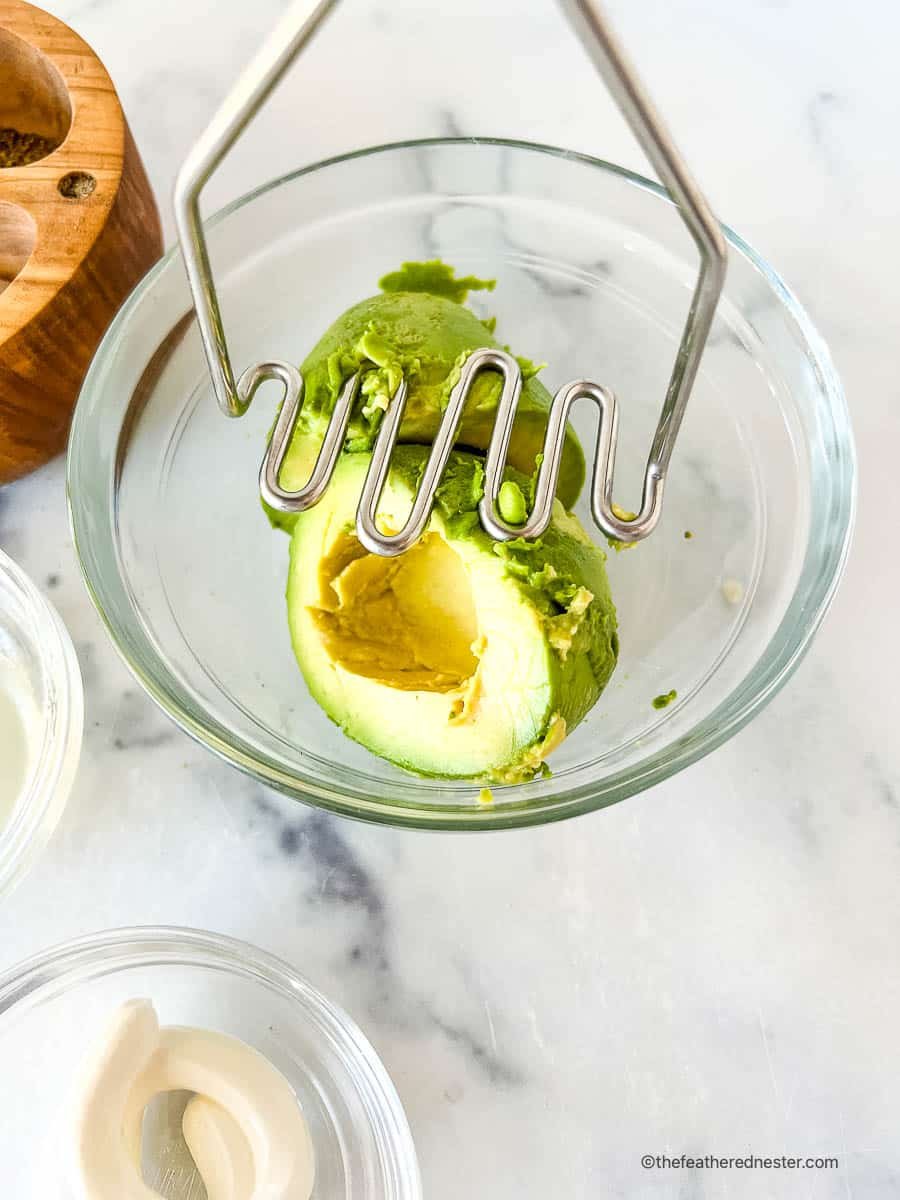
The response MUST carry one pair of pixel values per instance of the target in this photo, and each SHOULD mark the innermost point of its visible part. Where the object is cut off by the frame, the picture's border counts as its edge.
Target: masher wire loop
(366, 528)
(270, 489)
(300, 22)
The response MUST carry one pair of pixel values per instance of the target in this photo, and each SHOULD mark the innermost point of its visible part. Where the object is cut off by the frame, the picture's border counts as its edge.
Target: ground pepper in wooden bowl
(18, 149)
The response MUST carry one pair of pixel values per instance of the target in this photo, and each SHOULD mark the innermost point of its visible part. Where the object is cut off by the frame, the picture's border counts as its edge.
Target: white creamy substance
(20, 726)
(243, 1125)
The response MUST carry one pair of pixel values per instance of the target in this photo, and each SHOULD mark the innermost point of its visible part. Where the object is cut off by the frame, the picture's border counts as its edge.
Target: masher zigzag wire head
(293, 32)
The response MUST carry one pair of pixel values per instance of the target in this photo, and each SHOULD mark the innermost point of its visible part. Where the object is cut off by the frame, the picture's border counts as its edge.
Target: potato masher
(293, 32)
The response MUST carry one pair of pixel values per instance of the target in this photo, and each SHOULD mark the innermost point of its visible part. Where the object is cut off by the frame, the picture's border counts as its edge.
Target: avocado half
(425, 338)
(463, 657)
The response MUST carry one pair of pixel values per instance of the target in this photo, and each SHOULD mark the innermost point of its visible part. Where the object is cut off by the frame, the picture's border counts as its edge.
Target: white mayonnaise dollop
(243, 1126)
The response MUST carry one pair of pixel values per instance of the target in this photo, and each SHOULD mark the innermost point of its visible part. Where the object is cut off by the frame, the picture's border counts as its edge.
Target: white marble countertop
(712, 967)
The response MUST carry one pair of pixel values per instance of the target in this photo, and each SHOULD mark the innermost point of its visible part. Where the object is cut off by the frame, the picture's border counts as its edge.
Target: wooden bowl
(78, 227)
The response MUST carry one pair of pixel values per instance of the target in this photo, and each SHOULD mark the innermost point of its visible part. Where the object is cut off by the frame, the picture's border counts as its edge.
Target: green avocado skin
(425, 338)
(545, 574)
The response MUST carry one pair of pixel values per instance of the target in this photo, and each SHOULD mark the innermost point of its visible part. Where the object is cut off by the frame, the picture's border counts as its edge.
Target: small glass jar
(54, 1006)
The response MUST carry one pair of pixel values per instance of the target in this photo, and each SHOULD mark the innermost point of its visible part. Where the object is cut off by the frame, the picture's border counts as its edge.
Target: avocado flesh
(462, 658)
(424, 338)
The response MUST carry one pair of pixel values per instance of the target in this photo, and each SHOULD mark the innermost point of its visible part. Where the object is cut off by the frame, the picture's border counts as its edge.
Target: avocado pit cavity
(408, 622)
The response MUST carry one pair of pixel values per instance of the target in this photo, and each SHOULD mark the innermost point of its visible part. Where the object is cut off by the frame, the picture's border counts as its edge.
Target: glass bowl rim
(709, 733)
(37, 810)
(64, 967)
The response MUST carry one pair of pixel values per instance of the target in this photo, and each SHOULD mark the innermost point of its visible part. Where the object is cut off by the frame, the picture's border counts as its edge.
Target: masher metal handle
(297, 26)
(301, 21)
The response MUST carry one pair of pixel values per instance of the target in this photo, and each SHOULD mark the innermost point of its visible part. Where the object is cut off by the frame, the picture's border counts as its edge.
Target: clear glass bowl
(41, 721)
(53, 1005)
(594, 272)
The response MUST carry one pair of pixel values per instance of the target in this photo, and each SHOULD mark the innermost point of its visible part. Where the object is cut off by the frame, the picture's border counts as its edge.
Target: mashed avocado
(419, 328)
(463, 657)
